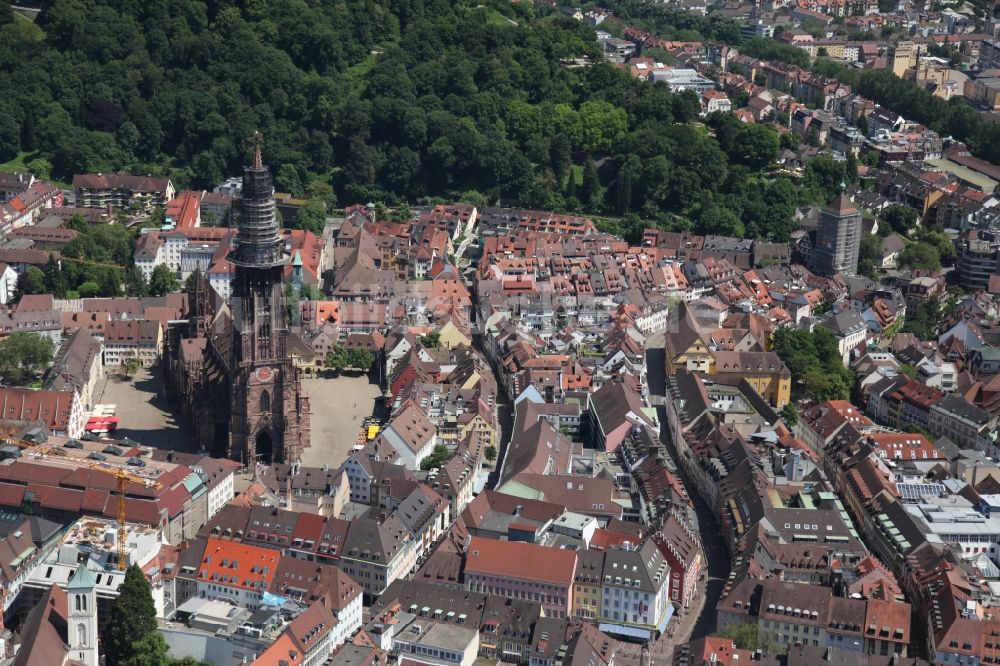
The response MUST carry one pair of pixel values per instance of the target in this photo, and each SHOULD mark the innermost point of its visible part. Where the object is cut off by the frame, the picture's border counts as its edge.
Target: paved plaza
(339, 406)
(146, 415)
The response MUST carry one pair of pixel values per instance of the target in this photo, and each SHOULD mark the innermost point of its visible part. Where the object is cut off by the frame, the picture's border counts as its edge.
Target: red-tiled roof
(522, 561)
(51, 497)
(238, 565)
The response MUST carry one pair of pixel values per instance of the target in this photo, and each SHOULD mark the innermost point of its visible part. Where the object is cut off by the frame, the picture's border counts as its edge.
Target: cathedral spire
(258, 140)
(258, 241)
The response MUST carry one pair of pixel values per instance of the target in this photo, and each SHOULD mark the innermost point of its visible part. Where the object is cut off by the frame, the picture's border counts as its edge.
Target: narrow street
(716, 554)
(505, 416)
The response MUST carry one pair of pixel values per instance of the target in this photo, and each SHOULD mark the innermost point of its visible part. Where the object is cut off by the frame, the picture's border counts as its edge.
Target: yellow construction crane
(123, 476)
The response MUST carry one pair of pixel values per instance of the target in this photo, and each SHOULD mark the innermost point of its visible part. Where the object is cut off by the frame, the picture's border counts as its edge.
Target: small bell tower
(81, 593)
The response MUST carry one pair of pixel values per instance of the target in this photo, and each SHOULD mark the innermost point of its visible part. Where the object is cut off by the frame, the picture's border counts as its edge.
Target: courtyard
(146, 415)
(339, 406)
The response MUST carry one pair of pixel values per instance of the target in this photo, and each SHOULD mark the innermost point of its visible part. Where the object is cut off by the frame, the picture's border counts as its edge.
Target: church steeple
(258, 140)
(258, 238)
(269, 418)
(82, 616)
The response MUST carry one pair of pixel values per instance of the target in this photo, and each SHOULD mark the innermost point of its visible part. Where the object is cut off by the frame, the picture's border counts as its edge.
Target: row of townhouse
(244, 574)
(372, 551)
(626, 589)
(900, 401)
(417, 618)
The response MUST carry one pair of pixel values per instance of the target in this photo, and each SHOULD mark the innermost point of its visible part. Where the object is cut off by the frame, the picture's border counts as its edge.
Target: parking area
(145, 414)
(339, 406)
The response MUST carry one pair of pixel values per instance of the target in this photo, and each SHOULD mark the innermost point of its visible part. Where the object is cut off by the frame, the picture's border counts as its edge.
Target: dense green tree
(337, 358)
(815, 363)
(360, 359)
(721, 221)
(560, 155)
(431, 340)
(135, 282)
(744, 636)
(789, 415)
(623, 189)
(438, 456)
(32, 281)
(55, 280)
(23, 356)
(869, 256)
(40, 168)
(919, 255)
(755, 146)
(132, 619)
(129, 365)
(771, 49)
(922, 319)
(312, 216)
(89, 289)
(790, 141)
(111, 281)
(825, 176)
(289, 180)
(77, 223)
(599, 125)
(379, 100)
(474, 198)
(152, 650)
(163, 281)
(401, 213)
(591, 184)
(940, 241)
(899, 218)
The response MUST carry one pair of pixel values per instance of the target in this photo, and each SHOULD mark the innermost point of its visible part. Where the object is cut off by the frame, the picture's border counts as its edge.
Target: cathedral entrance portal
(264, 448)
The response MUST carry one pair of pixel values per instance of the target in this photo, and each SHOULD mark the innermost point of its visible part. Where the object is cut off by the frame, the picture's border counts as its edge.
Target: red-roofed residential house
(236, 571)
(184, 211)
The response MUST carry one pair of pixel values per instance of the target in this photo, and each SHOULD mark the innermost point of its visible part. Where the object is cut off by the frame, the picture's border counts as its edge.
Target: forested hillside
(363, 100)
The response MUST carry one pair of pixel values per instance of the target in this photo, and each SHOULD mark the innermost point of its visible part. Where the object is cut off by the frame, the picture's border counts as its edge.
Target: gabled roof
(411, 428)
(44, 633)
(614, 403)
(685, 331)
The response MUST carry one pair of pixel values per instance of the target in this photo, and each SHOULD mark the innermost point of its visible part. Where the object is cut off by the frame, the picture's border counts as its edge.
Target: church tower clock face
(264, 374)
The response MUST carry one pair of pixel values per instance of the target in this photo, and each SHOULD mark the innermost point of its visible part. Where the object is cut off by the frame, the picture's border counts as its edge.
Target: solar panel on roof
(915, 491)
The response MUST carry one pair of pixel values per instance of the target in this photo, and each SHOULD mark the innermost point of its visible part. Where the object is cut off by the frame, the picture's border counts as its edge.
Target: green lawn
(20, 18)
(493, 17)
(356, 73)
(577, 171)
(19, 165)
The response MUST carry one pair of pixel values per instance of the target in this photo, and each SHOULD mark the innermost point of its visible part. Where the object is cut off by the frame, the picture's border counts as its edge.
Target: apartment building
(132, 338)
(635, 592)
(963, 423)
(118, 190)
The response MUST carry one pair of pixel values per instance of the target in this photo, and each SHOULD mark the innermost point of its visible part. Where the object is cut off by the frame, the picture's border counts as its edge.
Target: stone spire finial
(258, 140)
